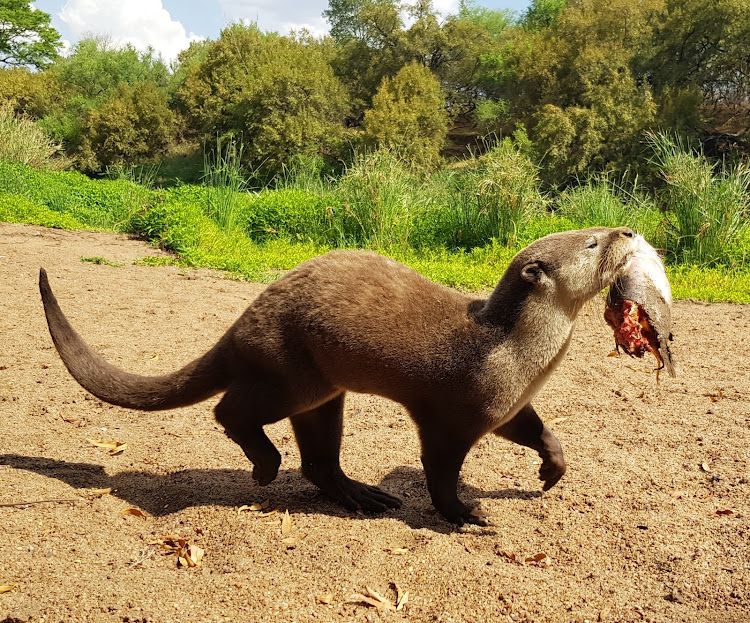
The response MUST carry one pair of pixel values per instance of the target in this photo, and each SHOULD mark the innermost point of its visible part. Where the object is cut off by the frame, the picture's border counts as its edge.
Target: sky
(170, 25)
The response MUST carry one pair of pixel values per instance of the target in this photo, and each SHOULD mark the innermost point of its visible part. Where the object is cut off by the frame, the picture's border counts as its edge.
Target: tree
(542, 14)
(493, 21)
(574, 85)
(26, 37)
(96, 68)
(408, 115)
(278, 93)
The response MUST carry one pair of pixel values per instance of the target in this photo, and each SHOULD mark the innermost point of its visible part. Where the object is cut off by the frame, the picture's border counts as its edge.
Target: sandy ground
(651, 522)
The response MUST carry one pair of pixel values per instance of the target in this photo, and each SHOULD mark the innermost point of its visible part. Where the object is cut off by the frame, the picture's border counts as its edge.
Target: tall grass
(494, 195)
(381, 199)
(224, 178)
(603, 202)
(707, 206)
(22, 140)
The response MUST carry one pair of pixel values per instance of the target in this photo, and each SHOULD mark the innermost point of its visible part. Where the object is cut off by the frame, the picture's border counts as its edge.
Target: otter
(357, 321)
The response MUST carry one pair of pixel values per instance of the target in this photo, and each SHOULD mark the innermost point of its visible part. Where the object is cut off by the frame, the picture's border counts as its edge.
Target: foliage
(408, 116)
(493, 21)
(708, 211)
(135, 126)
(702, 44)
(278, 93)
(26, 37)
(19, 209)
(22, 140)
(380, 197)
(95, 72)
(495, 196)
(601, 201)
(96, 68)
(542, 14)
(31, 93)
(306, 224)
(100, 204)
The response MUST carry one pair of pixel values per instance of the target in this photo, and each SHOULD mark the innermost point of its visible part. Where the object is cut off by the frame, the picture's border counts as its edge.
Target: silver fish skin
(644, 281)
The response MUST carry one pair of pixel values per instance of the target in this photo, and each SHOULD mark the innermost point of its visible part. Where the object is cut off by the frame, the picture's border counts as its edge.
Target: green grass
(460, 226)
(100, 260)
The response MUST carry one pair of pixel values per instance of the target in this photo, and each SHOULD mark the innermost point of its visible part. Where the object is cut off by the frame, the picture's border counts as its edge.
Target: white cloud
(142, 23)
(285, 15)
(278, 15)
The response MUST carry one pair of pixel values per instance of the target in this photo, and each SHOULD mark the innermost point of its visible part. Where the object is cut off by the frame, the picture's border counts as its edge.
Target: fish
(639, 308)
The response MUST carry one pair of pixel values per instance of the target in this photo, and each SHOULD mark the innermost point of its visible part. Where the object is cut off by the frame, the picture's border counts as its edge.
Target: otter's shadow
(162, 495)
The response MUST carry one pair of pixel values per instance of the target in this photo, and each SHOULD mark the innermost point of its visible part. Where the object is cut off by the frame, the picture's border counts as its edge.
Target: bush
(600, 202)
(381, 199)
(101, 204)
(408, 116)
(135, 126)
(278, 93)
(22, 140)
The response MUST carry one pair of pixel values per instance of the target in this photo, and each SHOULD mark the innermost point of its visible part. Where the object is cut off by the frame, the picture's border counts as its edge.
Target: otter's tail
(197, 381)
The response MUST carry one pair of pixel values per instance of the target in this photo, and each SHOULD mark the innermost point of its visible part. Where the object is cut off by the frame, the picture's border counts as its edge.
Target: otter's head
(565, 269)
(575, 265)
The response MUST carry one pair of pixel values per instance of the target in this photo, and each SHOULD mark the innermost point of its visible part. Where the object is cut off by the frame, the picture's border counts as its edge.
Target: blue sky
(169, 25)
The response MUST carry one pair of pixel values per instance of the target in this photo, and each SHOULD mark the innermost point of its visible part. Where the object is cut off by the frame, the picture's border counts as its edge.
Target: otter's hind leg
(318, 434)
(527, 429)
(235, 412)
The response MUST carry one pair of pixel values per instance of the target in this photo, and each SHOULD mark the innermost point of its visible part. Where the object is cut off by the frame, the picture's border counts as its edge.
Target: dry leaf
(6, 588)
(291, 540)
(155, 357)
(255, 507)
(380, 605)
(326, 599)
(614, 353)
(114, 447)
(70, 420)
(188, 554)
(557, 420)
(725, 511)
(120, 448)
(541, 558)
(705, 467)
(193, 555)
(508, 556)
(268, 513)
(135, 512)
(378, 600)
(286, 523)
(402, 597)
(398, 550)
(99, 492)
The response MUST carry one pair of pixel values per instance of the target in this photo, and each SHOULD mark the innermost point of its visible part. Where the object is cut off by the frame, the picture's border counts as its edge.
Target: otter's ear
(532, 272)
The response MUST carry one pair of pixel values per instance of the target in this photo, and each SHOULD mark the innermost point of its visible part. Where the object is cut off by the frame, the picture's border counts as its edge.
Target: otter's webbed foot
(458, 513)
(354, 495)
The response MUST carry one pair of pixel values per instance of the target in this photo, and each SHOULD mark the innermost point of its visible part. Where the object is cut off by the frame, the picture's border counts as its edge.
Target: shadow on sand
(164, 494)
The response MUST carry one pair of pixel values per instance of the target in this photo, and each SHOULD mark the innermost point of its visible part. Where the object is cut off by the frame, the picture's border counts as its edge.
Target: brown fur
(357, 321)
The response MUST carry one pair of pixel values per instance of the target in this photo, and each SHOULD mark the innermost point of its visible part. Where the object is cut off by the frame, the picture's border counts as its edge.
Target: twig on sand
(50, 501)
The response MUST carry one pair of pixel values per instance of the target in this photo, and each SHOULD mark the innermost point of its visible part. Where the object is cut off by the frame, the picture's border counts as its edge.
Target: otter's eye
(592, 245)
